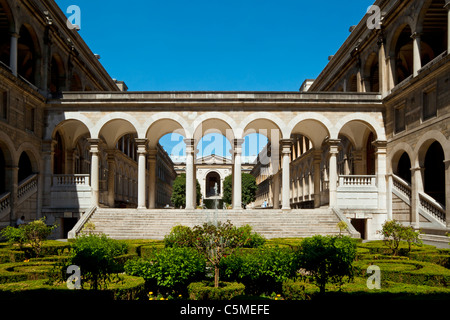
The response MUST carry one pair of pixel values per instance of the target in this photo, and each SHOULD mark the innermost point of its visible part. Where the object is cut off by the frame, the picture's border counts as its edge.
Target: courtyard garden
(219, 262)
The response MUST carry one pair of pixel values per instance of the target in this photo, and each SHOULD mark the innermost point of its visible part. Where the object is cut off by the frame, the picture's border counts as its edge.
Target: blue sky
(215, 45)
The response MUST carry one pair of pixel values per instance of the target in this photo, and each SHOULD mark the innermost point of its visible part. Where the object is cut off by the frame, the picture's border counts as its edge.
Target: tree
(249, 188)
(394, 232)
(30, 235)
(328, 259)
(179, 191)
(217, 241)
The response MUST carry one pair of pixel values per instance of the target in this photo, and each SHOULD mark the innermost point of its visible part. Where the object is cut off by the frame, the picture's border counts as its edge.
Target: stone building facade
(369, 138)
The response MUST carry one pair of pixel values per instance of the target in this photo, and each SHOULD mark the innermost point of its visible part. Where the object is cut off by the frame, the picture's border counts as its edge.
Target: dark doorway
(25, 167)
(212, 179)
(67, 225)
(360, 226)
(404, 167)
(434, 175)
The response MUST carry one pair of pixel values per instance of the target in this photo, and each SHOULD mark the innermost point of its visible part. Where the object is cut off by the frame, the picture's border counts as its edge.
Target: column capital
(380, 144)
(415, 35)
(141, 145)
(417, 169)
(94, 143)
(333, 144)
(238, 142)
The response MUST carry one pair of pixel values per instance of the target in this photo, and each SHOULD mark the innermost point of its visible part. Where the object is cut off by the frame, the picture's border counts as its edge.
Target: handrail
(357, 180)
(4, 201)
(80, 223)
(431, 206)
(401, 185)
(26, 185)
(70, 179)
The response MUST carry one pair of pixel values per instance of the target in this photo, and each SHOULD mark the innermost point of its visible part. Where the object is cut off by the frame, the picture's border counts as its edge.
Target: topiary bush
(96, 257)
(207, 291)
(170, 269)
(261, 270)
(327, 259)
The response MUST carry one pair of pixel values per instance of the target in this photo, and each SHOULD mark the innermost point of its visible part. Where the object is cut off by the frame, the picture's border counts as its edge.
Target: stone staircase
(155, 224)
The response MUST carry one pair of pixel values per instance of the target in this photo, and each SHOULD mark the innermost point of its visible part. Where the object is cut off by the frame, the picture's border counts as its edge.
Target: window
(29, 118)
(429, 108)
(3, 105)
(399, 118)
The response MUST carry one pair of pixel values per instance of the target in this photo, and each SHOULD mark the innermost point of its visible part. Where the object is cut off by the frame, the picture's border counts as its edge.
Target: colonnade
(147, 187)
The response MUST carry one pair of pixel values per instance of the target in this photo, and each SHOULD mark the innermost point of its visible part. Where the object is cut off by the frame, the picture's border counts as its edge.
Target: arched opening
(27, 55)
(361, 136)
(58, 155)
(434, 19)
(57, 77)
(434, 174)
(167, 160)
(25, 167)
(403, 169)
(345, 156)
(404, 55)
(370, 155)
(372, 81)
(212, 184)
(6, 26)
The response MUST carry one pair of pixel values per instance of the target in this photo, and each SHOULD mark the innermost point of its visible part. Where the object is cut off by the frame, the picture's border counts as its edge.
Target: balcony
(71, 191)
(357, 192)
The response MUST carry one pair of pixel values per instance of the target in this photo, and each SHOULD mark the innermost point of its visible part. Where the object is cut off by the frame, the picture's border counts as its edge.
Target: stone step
(155, 224)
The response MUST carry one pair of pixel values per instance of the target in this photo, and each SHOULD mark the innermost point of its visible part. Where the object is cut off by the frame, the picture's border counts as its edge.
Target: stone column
(416, 188)
(333, 176)
(152, 178)
(237, 174)
(389, 196)
(382, 64)
(276, 191)
(111, 178)
(142, 152)
(380, 170)
(13, 53)
(447, 192)
(417, 63)
(316, 163)
(285, 181)
(47, 159)
(190, 144)
(94, 170)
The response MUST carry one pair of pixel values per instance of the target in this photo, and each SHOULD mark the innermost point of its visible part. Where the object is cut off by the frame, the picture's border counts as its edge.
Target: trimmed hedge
(205, 290)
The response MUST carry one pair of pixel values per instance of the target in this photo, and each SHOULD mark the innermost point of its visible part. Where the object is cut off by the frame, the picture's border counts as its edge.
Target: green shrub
(394, 232)
(171, 269)
(328, 259)
(298, 290)
(207, 291)
(261, 270)
(95, 255)
(31, 235)
(179, 236)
